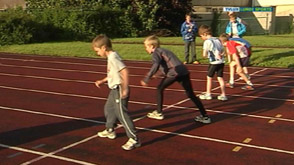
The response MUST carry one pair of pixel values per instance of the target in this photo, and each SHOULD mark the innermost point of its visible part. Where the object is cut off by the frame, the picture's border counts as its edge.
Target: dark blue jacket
(189, 36)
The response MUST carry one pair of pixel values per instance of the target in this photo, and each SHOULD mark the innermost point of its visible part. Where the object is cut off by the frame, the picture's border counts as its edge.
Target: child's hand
(143, 83)
(124, 93)
(98, 83)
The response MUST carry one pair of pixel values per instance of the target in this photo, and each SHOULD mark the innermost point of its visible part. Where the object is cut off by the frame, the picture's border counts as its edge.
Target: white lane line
(60, 150)
(134, 102)
(153, 130)
(170, 89)
(220, 141)
(44, 154)
(145, 68)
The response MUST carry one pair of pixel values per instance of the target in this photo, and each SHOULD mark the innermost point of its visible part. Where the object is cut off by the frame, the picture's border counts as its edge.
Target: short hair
(204, 29)
(224, 37)
(102, 40)
(152, 40)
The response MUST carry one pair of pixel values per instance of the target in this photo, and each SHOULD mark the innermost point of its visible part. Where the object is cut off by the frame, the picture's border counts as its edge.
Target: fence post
(273, 21)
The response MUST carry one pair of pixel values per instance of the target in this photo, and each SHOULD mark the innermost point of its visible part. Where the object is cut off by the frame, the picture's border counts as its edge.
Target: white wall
(265, 3)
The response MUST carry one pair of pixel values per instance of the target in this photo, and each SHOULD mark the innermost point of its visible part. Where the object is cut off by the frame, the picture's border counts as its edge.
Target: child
(235, 29)
(214, 51)
(188, 31)
(116, 104)
(249, 49)
(174, 70)
(238, 56)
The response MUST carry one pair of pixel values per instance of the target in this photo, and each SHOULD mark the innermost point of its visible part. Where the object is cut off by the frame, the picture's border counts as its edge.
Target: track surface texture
(51, 111)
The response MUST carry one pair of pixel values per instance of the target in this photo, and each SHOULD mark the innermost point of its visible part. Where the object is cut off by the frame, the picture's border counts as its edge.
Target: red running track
(50, 112)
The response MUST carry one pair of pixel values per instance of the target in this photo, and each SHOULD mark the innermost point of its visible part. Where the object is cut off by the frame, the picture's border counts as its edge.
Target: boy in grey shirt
(118, 83)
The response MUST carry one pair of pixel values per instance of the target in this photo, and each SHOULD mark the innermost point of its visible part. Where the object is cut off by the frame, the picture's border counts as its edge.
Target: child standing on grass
(117, 101)
(188, 31)
(214, 51)
(238, 57)
(174, 70)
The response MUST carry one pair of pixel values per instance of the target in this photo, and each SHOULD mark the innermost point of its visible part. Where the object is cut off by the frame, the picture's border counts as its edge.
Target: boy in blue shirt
(188, 31)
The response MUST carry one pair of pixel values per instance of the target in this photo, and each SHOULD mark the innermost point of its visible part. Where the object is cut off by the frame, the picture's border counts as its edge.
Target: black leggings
(186, 83)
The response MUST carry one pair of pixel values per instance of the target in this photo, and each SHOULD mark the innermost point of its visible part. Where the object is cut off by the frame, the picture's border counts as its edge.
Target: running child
(237, 57)
(174, 71)
(214, 51)
(117, 101)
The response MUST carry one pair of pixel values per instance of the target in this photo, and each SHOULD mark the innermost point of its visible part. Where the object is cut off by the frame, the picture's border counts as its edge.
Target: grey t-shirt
(114, 66)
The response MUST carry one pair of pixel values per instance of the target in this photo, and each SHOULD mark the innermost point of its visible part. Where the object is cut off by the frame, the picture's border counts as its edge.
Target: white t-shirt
(214, 49)
(114, 66)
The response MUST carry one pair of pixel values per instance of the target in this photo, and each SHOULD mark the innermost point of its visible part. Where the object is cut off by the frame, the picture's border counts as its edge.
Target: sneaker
(107, 133)
(205, 96)
(229, 85)
(196, 62)
(247, 87)
(155, 115)
(203, 119)
(131, 144)
(222, 98)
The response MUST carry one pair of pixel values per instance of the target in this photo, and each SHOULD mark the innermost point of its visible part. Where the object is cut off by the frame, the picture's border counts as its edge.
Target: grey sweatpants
(117, 108)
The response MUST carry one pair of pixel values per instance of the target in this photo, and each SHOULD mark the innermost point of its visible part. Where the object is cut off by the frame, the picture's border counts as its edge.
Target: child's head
(188, 17)
(101, 44)
(150, 43)
(224, 38)
(204, 31)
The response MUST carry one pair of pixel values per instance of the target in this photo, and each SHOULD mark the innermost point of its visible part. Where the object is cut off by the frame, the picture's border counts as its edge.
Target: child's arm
(124, 83)
(205, 53)
(99, 82)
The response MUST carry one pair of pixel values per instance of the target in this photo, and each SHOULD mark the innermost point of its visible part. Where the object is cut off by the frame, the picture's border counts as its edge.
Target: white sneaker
(222, 98)
(131, 144)
(205, 96)
(203, 119)
(155, 115)
(107, 133)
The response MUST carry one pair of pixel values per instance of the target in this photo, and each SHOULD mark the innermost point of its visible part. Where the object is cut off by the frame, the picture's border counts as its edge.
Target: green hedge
(19, 26)
(16, 27)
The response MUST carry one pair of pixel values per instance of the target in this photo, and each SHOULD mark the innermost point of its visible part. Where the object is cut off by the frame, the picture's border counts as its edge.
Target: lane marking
(274, 120)
(238, 148)
(154, 88)
(20, 153)
(14, 155)
(44, 154)
(145, 103)
(129, 61)
(167, 132)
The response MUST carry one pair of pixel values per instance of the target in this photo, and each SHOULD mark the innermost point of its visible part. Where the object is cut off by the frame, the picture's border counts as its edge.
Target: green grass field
(268, 51)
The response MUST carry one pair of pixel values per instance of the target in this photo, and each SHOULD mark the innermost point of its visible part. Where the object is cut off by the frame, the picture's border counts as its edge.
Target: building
(4, 4)
(278, 21)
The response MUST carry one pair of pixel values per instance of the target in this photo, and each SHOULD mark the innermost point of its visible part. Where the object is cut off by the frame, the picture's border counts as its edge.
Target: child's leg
(186, 83)
(187, 50)
(109, 111)
(244, 77)
(232, 72)
(193, 51)
(208, 85)
(222, 85)
(165, 82)
(245, 69)
(123, 116)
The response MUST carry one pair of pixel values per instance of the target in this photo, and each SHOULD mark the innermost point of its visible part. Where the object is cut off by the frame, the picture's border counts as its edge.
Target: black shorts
(244, 61)
(215, 68)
